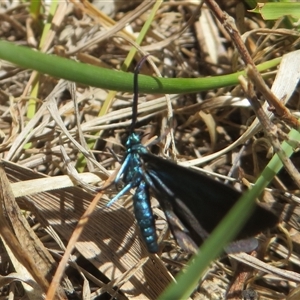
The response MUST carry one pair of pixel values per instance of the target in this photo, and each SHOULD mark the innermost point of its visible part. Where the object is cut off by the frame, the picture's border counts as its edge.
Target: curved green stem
(111, 79)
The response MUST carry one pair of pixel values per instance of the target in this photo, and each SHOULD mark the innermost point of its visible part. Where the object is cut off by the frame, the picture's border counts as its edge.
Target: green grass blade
(115, 80)
(226, 230)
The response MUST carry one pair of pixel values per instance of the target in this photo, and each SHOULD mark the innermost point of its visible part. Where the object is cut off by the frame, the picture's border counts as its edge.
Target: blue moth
(193, 203)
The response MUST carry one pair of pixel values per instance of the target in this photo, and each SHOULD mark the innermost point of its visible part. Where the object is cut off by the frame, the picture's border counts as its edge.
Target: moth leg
(117, 178)
(122, 170)
(121, 193)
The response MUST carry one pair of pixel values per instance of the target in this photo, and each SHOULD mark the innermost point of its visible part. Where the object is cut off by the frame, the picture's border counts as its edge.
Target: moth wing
(194, 196)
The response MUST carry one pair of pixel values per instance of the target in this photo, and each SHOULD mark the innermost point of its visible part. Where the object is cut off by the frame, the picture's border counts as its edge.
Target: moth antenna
(136, 93)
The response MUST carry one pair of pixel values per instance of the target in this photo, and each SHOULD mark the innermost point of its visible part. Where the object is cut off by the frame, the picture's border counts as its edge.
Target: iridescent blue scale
(144, 216)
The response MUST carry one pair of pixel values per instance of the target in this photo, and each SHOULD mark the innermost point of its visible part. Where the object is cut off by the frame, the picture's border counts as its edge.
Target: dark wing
(200, 199)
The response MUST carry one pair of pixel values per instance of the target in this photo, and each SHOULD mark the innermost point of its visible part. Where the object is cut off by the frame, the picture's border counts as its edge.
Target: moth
(193, 203)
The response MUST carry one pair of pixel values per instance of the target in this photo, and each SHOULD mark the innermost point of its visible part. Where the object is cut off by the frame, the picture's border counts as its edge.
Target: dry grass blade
(145, 5)
(266, 268)
(184, 41)
(107, 237)
(41, 259)
(17, 245)
(289, 73)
